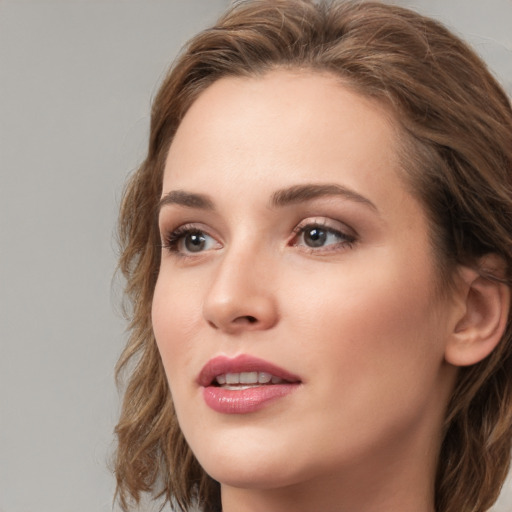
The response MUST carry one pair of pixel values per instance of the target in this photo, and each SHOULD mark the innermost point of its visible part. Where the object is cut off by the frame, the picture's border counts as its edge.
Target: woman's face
(296, 261)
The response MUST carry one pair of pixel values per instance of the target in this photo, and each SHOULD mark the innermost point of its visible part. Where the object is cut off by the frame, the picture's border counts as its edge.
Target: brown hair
(456, 122)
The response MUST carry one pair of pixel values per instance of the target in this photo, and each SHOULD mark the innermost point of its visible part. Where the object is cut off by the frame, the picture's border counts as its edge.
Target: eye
(187, 240)
(195, 241)
(319, 235)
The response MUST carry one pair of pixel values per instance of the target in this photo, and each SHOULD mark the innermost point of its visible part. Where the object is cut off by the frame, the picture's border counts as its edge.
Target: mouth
(246, 380)
(243, 372)
(244, 384)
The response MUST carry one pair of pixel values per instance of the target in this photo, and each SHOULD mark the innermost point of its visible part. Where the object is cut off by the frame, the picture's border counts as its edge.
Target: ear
(482, 320)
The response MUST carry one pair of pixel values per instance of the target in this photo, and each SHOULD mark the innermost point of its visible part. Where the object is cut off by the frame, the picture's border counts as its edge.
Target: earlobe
(482, 323)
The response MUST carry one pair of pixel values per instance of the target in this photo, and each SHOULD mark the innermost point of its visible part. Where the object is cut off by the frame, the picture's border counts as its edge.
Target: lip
(243, 401)
(242, 363)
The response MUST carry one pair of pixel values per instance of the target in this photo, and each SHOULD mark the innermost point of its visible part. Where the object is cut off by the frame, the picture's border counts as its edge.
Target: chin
(232, 461)
(253, 476)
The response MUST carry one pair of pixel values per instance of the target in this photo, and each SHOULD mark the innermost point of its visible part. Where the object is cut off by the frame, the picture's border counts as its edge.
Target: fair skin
(300, 245)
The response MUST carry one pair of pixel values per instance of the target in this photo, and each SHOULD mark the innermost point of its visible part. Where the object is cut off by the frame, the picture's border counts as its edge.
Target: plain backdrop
(76, 81)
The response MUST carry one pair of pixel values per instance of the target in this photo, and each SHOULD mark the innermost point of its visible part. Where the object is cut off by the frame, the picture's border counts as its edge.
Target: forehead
(280, 127)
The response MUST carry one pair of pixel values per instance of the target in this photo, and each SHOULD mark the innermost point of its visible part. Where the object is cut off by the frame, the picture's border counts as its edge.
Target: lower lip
(243, 401)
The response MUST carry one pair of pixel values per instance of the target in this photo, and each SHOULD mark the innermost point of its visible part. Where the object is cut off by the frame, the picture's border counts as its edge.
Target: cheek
(175, 318)
(381, 295)
(377, 335)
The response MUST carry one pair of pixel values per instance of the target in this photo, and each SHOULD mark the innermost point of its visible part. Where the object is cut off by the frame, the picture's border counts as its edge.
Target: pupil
(315, 237)
(195, 242)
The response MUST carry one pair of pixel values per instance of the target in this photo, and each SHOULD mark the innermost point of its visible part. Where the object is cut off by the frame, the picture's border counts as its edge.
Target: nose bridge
(241, 295)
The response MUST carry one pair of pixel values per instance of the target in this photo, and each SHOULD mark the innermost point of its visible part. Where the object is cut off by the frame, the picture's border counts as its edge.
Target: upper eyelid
(171, 217)
(168, 226)
(328, 223)
(339, 232)
(186, 228)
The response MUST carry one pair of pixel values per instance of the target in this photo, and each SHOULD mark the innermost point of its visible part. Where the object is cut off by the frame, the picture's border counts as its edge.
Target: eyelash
(174, 237)
(177, 236)
(346, 240)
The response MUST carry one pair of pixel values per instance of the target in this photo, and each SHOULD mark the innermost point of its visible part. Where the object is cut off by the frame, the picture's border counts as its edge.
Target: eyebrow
(300, 193)
(187, 199)
(280, 198)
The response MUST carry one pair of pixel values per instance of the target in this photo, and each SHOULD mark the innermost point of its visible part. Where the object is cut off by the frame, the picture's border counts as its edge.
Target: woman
(318, 251)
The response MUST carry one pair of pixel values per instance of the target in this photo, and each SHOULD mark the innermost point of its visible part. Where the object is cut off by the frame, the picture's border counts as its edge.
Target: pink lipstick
(243, 384)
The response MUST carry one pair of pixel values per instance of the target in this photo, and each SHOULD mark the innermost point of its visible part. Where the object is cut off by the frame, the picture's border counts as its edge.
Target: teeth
(230, 379)
(264, 377)
(249, 378)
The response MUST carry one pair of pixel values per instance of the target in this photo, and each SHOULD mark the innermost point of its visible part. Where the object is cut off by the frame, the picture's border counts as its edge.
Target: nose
(241, 296)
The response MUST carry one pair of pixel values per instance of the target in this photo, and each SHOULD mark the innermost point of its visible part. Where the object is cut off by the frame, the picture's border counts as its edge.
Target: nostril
(246, 319)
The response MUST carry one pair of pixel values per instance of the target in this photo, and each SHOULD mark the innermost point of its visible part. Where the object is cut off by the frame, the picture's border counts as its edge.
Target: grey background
(76, 81)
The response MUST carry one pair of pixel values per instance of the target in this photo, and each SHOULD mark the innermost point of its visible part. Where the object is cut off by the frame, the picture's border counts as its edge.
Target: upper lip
(221, 365)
